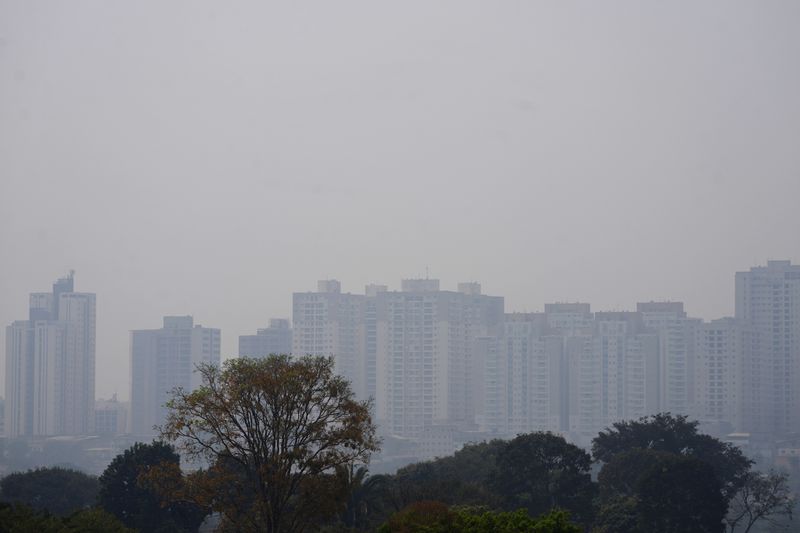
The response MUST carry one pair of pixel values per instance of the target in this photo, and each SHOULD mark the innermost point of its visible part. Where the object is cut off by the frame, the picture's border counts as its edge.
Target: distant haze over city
(209, 160)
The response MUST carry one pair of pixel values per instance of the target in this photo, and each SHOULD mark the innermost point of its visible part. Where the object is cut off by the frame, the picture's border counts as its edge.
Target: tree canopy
(436, 517)
(542, 471)
(123, 491)
(19, 518)
(273, 431)
(60, 491)
(680, 493)
(677, 435)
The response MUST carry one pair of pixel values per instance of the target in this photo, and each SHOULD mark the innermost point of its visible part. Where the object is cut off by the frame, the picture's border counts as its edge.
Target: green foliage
(618, 515)
(622, 475)
(274, 430)
(23, 519)
(363, 495)
(676, 435)
(18, 518)
(648, 491)
(435, 517)
(60, 491)
(95, 521)
(542, 471)
(680, 494)
(123, 493)
(660, 474)
(422, 516)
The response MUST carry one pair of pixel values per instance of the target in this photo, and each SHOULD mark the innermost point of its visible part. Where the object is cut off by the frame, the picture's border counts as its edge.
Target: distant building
(110, 417)
(676, 336)
(163, 359)
(275, 339)
(330, 323)
(524, 377)
(50, 365)
(768, 304)
(723, 361)
(426, 365)
(616, 373)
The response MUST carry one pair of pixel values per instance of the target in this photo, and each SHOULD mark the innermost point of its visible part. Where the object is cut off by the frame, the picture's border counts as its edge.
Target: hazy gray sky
(210, 158)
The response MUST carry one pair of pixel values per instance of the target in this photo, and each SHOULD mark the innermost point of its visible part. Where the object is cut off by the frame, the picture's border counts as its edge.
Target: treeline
(655, 474)
(286, 445)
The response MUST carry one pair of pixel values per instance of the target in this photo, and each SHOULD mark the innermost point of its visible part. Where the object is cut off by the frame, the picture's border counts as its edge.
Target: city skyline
(231, 340)
(553, 152)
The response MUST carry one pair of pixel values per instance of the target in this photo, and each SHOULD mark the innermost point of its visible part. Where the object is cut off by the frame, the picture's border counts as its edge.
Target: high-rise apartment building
(50, 365)
(275, 339)
(616, 372)
(426, 366)
(371, 338)
(723, 361)
(163, 359)
(524, 378)
(330, 323)
(676, 337)
(768, 305)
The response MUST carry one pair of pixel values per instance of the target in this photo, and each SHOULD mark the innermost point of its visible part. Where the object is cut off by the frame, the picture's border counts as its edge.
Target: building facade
(768, 305)
(275, 339)
(50, 365)
(330, 323)
(163, 359)
(426, 364)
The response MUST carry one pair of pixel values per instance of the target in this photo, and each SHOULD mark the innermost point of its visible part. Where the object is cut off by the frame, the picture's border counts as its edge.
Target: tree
(363, 495)
(123, 492)
(762, 497)
(618, 515)
(273, 430)
(95, 521)
(621, 476)
(680, 494)
(542, 471)
(427, 516)
(20, 518)
(676, 435)
(436, 517)
(59, 490)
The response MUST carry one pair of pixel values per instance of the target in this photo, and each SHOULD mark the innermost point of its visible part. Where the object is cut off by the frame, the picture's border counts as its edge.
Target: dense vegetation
(285, 447)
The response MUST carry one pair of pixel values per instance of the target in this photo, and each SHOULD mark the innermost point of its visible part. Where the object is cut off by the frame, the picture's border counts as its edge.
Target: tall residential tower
(50, 365)
(162, 359)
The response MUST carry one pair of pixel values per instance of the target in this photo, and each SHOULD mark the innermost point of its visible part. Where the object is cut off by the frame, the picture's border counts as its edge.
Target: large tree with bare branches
(273, 431)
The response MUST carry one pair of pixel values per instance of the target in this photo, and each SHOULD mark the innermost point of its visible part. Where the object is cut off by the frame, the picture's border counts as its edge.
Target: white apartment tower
(617, 372)
(722, 364)
(525, 377)
(50, 365)
(163, 359)
(768, 305)
(676, 338)
(426, 366)
(330, 323)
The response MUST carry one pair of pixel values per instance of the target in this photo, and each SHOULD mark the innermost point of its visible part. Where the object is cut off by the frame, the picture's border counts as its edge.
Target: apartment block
(332, 324)
(275, 339)
(163, 359)
(50, 365)
(768, 304)
(425, 366)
